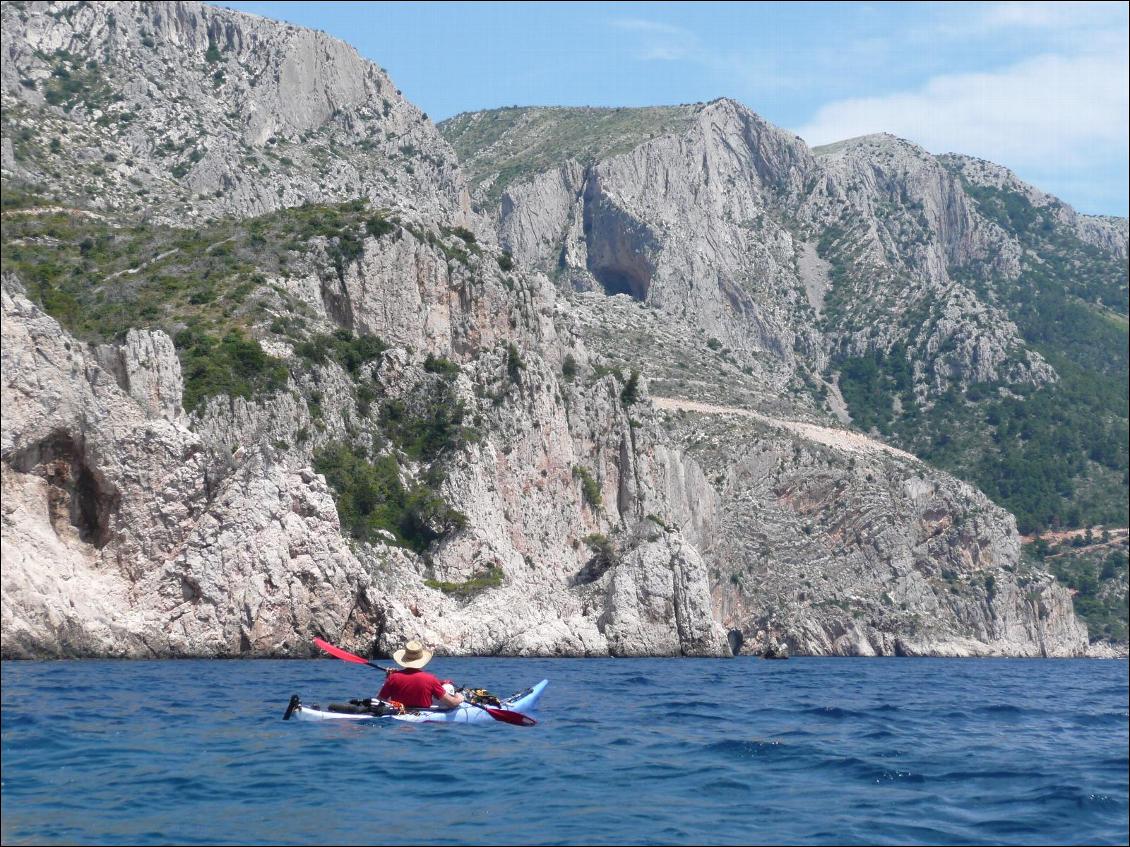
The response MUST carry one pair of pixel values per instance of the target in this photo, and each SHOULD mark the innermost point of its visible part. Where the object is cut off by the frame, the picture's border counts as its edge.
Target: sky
(1041, 88)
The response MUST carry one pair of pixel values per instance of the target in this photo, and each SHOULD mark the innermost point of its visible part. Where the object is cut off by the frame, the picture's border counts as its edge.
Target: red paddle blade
(506, 716)
(338, 653)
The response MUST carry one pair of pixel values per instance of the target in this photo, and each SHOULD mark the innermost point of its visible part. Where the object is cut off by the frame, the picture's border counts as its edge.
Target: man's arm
(383, 694)
(451, 700)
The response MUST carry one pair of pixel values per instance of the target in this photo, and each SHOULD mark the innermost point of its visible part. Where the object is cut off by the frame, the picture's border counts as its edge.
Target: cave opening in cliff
(619, 281)
(76, 493)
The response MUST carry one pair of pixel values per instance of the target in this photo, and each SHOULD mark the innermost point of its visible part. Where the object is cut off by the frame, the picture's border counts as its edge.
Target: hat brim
(398, 657)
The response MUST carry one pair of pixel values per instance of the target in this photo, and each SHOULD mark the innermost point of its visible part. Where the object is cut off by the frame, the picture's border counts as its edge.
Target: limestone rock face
(911, 227)
(680, 222)
(117, 469)
(734, 228)
(836, 549)
(203, 111)
(126, 532)
(117, 543)
(740, 269)
(1106, 232)
(264, 571)
(536, 216)
(146, 367)
(655, 583)
(573, 513)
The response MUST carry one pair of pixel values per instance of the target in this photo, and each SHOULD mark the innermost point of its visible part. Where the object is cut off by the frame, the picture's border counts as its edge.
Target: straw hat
(413, 655)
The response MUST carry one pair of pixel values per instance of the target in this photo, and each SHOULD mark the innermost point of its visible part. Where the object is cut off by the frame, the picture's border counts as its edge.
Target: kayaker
(412, 685)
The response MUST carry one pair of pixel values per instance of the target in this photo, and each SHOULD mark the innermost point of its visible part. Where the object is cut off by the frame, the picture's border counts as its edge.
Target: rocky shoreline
(289, 382)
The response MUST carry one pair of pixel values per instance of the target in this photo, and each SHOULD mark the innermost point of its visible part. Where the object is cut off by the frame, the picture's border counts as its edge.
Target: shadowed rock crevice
(593, 570)
(79, 495)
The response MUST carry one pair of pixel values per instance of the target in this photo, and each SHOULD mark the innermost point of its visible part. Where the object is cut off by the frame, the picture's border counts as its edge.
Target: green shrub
(378, 225)
(68, 86)
(491, 578)
(15, 197)
(440, 365)
(589, 489)
(869, 383)
(603, 547)
(604, 557)
(1096, 577)
(514, 362)
(431, 427)
(342, 346)
(370, 497)
(630, 393)
(234, 365)
(569, 367)
(600, 371)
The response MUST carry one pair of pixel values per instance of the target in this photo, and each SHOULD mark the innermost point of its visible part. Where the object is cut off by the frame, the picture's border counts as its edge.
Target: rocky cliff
(936, 302)
(267, 375)
(723, 221)
(180, 111)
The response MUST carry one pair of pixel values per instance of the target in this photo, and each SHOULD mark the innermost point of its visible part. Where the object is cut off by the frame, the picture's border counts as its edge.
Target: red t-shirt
(412, 687)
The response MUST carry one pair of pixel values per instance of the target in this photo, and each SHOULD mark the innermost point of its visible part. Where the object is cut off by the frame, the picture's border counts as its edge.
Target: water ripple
(643, 751)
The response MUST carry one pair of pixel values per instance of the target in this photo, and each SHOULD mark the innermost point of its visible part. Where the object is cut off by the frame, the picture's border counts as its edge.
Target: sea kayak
(523, 701)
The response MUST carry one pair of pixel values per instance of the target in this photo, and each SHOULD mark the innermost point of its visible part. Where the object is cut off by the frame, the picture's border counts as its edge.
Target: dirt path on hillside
(1059, 536)
(1118, 536)
(52, 210)
(840, 439)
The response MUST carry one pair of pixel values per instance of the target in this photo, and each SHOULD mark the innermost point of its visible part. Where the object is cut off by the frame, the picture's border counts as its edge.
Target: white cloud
(656, 41)
(1046, 111)
(1043, 15)
(1039, 26)
(1053, 107)
(660, 41)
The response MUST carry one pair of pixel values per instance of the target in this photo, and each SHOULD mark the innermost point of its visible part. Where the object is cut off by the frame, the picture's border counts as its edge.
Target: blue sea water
(640, 751)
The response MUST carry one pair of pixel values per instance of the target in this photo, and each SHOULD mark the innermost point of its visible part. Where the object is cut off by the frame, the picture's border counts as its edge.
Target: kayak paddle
(338, 653)
(504, 715)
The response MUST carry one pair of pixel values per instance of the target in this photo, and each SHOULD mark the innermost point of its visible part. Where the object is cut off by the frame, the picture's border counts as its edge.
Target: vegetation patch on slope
(391, 490)
(490, 578)
(510, 145)
(206, 287)
(374, 496)
(1094, 567)
(1055, 455)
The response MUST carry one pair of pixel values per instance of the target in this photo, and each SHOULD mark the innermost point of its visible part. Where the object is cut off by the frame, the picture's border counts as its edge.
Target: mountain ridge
(933, 226)
(327, 401)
